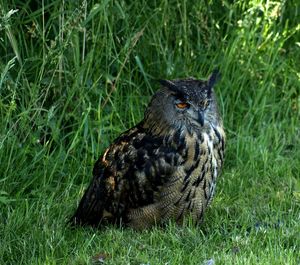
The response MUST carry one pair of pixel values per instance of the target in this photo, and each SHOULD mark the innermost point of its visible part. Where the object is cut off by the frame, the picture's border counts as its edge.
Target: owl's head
(183, 103)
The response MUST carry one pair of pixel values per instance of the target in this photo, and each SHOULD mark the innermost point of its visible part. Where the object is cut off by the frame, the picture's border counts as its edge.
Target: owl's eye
(205, 103)
(182, 105)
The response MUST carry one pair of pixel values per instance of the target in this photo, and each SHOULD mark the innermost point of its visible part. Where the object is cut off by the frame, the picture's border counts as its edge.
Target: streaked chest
(201, 166)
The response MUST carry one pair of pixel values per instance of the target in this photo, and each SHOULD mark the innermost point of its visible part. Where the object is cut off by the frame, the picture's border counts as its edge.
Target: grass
(75, 74)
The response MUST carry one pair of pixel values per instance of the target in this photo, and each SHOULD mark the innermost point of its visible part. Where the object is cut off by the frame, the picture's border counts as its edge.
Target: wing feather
(127, 176)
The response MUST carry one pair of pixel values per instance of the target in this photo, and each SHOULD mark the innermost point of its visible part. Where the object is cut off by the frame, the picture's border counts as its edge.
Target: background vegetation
(75, 74)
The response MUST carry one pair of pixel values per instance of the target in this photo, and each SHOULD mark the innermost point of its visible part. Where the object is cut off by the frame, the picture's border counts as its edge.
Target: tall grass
(75, 74)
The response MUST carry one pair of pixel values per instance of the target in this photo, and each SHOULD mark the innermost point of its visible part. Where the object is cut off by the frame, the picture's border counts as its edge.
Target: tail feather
(92, 205)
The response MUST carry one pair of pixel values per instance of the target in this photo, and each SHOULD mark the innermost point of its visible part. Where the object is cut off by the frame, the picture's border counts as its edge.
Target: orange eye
(182, 105)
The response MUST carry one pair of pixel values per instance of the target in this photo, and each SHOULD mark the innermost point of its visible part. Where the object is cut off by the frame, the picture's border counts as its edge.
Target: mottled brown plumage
(163, 168)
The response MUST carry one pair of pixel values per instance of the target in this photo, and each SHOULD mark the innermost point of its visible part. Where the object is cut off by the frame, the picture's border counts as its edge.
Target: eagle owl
(165, 167)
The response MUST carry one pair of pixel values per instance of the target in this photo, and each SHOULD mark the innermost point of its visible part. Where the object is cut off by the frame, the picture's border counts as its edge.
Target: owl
(164, 168)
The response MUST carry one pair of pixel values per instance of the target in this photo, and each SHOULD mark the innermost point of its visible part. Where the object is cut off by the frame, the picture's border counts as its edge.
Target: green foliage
(74, 74)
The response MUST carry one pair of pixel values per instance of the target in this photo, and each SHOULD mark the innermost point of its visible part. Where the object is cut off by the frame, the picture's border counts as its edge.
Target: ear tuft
(213, 78)
(169, 84)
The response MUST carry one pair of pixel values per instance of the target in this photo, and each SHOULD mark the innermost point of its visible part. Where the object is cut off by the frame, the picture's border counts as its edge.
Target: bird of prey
(163, 168)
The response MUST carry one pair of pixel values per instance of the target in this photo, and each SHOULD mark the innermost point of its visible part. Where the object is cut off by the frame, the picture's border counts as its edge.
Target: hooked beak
(201, 117)
(197, 115)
